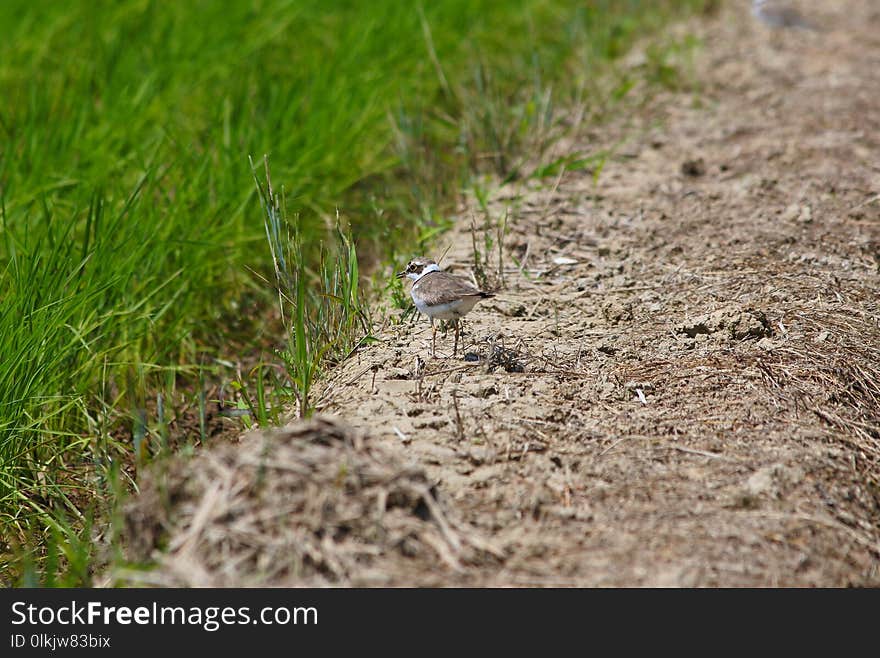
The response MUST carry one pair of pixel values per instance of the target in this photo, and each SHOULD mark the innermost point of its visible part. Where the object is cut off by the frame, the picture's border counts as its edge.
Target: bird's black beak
(400, 275)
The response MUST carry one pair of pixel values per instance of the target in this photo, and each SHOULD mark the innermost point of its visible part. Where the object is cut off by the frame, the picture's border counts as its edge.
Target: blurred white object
(778, 14)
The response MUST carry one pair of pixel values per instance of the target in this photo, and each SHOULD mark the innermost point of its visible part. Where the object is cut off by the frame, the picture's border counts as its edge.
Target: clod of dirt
(732, 320)
(515, 311)
(616, 311)
(487, 391)
(693, 168)
(767, 345)
(398, 373)
(508, 359)
(311, 504)
(799, 213)
(608, 345)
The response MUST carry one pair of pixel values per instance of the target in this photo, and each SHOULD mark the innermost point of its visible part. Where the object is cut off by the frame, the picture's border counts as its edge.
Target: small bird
(777, 14)
(441, 295)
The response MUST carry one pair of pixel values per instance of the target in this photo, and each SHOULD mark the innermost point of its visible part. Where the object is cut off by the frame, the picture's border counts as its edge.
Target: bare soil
(677, 384)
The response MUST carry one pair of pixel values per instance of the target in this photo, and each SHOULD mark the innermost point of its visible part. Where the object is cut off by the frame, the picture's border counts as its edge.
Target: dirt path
(680, 384)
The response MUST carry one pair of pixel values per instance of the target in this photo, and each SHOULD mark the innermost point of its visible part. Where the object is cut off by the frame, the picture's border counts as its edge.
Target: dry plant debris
(314, 503)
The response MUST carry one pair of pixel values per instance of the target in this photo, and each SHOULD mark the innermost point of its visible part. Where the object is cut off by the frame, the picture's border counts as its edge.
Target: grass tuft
(320, 307)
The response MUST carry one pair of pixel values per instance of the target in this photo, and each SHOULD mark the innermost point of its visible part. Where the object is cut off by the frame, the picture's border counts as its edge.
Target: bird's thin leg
(433, 339)
(455, 346)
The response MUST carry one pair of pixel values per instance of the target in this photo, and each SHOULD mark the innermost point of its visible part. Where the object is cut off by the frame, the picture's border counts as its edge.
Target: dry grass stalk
(315, 503)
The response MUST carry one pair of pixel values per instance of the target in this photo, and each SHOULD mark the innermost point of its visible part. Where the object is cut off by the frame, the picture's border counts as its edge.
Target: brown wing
(443, 288)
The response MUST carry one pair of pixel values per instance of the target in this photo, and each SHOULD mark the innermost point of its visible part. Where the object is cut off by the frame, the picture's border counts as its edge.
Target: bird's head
(418, 267)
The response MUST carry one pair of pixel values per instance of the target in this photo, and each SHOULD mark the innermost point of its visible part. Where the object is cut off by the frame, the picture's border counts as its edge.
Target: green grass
(133, 237)
(319, 300)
